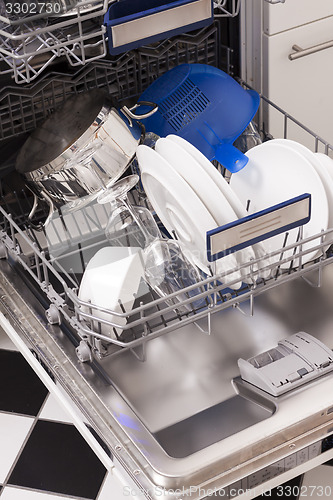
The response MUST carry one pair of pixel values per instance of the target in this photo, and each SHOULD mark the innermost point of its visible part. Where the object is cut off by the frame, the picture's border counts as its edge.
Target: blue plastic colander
(206, 107)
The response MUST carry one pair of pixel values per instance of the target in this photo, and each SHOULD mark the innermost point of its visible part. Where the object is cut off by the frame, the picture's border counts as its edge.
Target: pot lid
(80, 114)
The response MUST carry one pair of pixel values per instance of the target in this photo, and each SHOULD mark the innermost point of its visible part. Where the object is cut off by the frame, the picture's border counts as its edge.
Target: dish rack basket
(28, 248)
(126, 77)
(31, 39)
(34, 35)
(151, 316)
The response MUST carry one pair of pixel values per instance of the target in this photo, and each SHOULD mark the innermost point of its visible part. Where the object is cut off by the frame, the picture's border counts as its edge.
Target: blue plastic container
(133, 23)
(206, 107)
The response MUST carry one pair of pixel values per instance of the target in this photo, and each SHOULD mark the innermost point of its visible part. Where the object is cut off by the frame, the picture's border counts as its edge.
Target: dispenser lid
(294, 361)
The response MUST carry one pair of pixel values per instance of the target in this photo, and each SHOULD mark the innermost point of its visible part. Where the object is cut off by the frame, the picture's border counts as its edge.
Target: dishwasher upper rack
(13, 14)
(151, 316)
(30, 42)
(28, 47)
(16, 13)
(125, 77)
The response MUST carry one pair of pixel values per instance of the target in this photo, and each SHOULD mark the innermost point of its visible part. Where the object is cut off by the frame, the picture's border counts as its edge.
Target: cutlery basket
(133, 24)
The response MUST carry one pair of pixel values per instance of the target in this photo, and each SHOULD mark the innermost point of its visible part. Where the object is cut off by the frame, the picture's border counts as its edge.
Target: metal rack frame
(30, 43)
(27, 58)
(226, 8)
(28, 47)
(154, 318)
(56, 11)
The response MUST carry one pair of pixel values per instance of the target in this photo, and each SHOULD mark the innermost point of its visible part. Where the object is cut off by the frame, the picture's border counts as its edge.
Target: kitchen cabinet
(302, 86)
(293, 13)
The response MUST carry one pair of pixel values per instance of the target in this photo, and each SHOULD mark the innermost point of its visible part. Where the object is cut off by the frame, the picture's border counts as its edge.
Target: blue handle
(230, 157)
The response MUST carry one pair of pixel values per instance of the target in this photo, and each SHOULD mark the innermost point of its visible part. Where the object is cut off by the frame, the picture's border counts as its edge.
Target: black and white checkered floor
(42, 455)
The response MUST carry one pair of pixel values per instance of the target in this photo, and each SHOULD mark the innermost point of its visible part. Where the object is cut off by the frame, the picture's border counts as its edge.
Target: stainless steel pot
(83, 147)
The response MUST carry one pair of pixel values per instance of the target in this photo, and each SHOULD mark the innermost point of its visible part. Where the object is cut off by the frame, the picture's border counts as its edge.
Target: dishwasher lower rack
(55, 262)
(150, 317)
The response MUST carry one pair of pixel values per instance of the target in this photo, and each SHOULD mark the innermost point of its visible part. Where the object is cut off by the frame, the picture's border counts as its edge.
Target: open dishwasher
(165, 394)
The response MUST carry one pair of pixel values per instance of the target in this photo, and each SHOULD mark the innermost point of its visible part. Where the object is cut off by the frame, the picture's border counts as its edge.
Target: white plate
(113, 273)
(206, 189)
(181, 211)
(275, 174)
(199, 180)
(209, 168)
(326, 162)
(257, 250)
(320, 166)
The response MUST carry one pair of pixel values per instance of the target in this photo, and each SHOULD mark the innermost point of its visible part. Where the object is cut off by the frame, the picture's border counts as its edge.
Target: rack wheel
(83, 352)
(52, 315)
(3, 252)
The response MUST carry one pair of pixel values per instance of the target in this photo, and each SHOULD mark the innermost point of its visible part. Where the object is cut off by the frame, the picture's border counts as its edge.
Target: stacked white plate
(279, 170)
(191, 197)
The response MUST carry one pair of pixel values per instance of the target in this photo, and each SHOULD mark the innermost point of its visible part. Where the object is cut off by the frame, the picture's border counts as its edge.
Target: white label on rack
(161, 22)
(258, 226)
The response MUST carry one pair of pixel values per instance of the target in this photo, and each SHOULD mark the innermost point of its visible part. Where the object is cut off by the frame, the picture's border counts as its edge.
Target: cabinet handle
(299, 52)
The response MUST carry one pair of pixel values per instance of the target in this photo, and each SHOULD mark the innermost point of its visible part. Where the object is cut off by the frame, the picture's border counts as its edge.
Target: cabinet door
(283, 16)
(302, 87)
